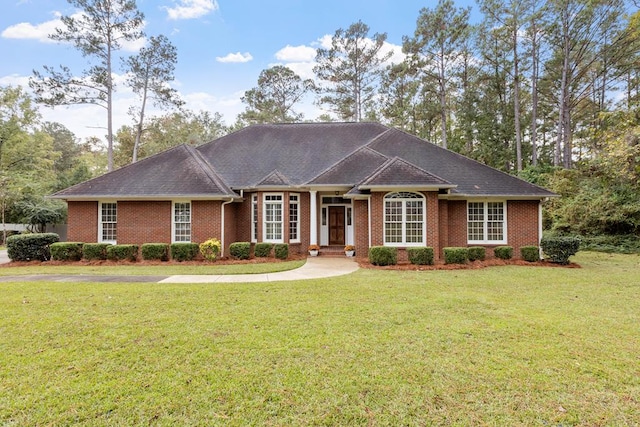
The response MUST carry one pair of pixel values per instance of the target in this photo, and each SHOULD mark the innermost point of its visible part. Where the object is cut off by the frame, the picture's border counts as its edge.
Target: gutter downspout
(369, 218)
(222, 239)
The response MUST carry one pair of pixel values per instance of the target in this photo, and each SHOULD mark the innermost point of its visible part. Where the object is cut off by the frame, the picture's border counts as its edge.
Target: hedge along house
(330, 184)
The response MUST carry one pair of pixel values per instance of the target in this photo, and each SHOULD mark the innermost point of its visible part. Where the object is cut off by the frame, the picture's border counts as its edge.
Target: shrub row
(210, 249)
(384, 255)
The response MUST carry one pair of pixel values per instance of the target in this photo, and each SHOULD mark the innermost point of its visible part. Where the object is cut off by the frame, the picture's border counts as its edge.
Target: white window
(272, 218)
(254, 217)
(108, 222)
(182, 222)
(486, 222)
(404, 223)
(294, 218)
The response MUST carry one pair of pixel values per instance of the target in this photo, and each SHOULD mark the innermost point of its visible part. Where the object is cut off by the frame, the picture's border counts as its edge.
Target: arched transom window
(404, 219)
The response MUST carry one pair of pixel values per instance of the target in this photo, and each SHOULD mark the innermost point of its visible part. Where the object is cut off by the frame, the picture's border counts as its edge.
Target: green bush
(530, 253)
(503, 252)
(420, 256)
(559, 249)
(455, 255)
(281, 250)
(240, 250)
(95, 251)
(263, 249)
(383, 255)
(624, 244)
(122, 252)
(184, 251)
(31, 247)
(477, 253)
(210, 249)
(155, 251)
(66, 251)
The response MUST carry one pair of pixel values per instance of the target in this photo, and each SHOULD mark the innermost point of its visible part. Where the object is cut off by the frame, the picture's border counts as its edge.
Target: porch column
(313, 226)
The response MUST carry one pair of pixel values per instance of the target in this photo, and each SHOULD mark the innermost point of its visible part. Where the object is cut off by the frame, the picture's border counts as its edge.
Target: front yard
(497, 346)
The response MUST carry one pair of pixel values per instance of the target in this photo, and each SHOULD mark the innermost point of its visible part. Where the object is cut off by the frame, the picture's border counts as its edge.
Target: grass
(498, 346)
(134, 269)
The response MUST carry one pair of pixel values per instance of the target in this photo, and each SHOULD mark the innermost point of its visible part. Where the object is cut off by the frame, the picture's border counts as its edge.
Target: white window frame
(485, 223)
(101, 223)
(403, 212)
(294, 200)
(175, 222)
(254, 218)
(266, 210)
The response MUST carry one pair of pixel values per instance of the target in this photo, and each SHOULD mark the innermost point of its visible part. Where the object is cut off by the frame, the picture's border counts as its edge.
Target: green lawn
(499, 346)
(128, 269)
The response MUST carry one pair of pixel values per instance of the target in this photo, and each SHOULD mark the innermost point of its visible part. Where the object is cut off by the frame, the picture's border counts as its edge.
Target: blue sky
(222, 46)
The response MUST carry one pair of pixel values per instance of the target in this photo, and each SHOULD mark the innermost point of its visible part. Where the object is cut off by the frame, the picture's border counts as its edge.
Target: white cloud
(40, 32)
(190, 9)
(296, 54)
(235, 57)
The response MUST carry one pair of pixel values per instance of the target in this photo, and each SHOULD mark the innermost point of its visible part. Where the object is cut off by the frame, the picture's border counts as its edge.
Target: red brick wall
(144, 222)
(242, 214)
(206, 221)
(522, 224)
(82, 222)
(433, 221)
(443, 214)
(230, 226)
(457, 223)
(305, 225)
(361, 227)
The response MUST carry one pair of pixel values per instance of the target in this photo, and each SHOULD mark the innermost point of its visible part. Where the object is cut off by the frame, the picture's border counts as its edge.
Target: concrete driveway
(314, 268)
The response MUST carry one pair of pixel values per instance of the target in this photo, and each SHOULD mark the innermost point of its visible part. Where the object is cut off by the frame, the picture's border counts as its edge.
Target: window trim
(404, 242)
(265, 202)
(297, 220)
(485, 207)
(100, 222)
(255, 223)
(174, 222)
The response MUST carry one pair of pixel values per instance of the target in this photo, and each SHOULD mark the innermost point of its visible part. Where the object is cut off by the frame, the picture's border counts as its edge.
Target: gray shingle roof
(355, 155)
(178, 172)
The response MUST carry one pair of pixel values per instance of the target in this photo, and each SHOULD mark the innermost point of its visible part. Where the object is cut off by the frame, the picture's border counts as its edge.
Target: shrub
(281, 250)
(122, 252)
(263, 249)
(383, 255)
(155, 251)
(503, 252)
(184, 251)
(66, 251)
(420, 256)
(95, 251)
(530, 253)
(31, 247)
(559, 249)
(210, 249)
(456, 255)
(477, 253)
(240, 250)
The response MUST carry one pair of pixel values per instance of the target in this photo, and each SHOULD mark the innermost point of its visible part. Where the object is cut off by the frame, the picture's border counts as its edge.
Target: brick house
(329, 184)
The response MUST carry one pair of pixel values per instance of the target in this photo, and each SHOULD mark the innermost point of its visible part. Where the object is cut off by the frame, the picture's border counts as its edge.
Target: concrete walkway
(4, 258)
(314, 268)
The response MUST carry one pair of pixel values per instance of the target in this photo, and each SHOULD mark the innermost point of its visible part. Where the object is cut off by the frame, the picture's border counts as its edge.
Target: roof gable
(399, 173)
(352, 169)
(275, 178)
(178, 172)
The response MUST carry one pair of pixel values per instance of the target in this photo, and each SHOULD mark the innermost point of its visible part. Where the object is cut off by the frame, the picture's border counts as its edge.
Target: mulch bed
(474, 265)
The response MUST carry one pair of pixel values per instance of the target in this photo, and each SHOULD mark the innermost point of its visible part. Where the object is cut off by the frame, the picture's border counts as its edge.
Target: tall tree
(97, 32)
(26, 155)
(71, 166)
(169, 130)
(150, 72)
(351, 68)
(436, 49)
(279, 90)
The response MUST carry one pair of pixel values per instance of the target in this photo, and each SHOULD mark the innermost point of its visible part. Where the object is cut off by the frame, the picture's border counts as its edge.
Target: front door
(336, 225)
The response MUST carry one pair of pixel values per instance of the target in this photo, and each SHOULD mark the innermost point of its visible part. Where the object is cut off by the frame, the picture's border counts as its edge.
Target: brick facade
(150, 222)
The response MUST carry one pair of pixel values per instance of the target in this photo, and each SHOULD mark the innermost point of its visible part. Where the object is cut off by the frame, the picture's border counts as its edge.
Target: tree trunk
(516, 99)
(534, 97)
